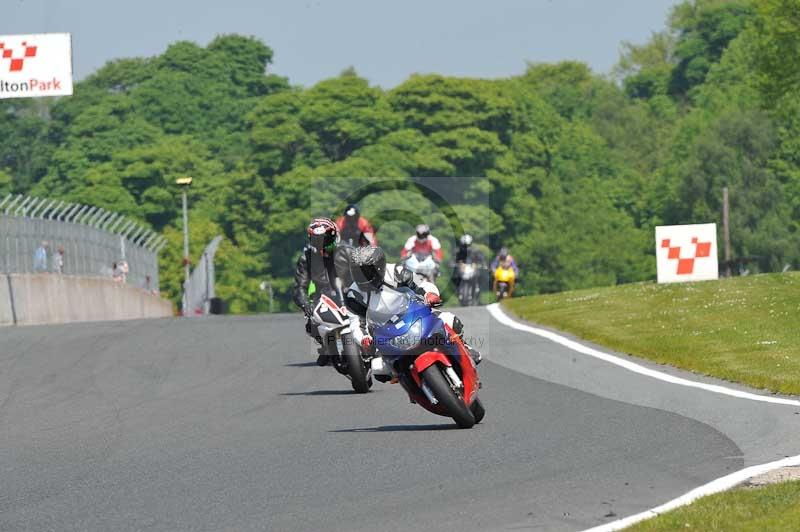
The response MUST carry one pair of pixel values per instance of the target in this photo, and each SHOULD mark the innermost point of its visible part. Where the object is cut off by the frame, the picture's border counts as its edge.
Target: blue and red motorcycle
(427, 357)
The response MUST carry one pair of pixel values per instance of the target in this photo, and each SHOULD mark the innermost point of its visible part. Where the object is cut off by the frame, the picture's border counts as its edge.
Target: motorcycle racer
(423, 243)
(467, 267)
(503, 256)
(316, 264)
(467, 253)
(354, 229)
(364, 273)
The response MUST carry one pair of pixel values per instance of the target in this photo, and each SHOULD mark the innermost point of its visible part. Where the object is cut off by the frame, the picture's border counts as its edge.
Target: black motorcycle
(468, 276)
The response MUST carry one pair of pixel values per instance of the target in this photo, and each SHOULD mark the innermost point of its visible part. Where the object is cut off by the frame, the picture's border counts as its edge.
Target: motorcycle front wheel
(477, 410)
(449, 400)
(502, 292)
(360, 378)
(463, 294)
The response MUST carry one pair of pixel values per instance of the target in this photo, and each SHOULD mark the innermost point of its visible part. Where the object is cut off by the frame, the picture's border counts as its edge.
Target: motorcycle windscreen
(387, 305)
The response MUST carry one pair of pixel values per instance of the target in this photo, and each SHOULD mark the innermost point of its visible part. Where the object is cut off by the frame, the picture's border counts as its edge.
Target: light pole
(184, 183)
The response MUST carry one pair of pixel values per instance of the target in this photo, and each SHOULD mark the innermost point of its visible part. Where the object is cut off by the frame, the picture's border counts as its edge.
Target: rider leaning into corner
(354, 229)
(424, 243)
(365, 275)
(316, 263)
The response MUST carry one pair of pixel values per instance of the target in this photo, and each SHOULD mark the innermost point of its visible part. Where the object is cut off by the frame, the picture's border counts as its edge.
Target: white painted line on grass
(499, 315)
(715, 486)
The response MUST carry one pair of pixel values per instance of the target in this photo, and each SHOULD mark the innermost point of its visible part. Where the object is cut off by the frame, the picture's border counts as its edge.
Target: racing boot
(473, 353)
(458, 327)
(311, 329)
(323, 359)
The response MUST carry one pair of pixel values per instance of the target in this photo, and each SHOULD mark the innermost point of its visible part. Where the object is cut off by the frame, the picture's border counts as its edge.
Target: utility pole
(726, 230)
(184, 183)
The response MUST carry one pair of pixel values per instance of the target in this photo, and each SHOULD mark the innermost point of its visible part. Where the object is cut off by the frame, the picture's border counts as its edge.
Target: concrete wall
(50, 298)
(6, 315)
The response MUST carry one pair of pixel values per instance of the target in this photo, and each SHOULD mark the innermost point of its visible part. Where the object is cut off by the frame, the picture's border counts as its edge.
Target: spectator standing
(123, 270)
(40, 258)
(120, 271)
(59, 260)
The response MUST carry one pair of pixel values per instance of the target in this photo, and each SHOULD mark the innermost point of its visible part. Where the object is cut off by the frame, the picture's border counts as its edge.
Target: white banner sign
(35, 65)
(686, 253)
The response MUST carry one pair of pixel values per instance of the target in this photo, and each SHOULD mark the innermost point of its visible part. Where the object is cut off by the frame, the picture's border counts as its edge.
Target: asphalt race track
(226, 424)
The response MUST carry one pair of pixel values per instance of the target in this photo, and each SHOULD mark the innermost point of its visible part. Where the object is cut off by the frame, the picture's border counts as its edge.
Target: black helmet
(423, 231)
(351, 211)
(323, 235)
(369, 267)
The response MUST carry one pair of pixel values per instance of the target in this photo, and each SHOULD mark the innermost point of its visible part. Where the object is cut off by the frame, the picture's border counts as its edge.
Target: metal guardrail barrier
(42, 235)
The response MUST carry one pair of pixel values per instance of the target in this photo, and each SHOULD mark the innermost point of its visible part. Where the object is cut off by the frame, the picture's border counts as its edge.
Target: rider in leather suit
(316, 264)
(364, 273)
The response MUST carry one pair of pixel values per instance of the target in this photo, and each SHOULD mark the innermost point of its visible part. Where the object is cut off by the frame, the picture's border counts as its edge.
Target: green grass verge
(774, 508)
(744, 329)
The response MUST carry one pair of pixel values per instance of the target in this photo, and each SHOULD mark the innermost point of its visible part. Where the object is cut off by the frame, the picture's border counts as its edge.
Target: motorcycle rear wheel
(360, 378)
(447, 397)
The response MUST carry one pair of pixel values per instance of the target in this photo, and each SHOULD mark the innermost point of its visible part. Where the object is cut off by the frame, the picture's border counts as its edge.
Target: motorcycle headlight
(410, 339)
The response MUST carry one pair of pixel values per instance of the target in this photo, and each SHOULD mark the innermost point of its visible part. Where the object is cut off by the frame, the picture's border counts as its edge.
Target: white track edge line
(715, 486)
(499, 315)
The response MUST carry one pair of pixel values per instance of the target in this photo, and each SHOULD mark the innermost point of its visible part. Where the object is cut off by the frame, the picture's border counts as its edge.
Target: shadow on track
(402, 428)
(325, 392)
(300, 365)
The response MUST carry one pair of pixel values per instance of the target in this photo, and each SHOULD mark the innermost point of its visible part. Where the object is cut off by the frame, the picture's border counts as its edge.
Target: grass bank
(744, 329)
(774, 508)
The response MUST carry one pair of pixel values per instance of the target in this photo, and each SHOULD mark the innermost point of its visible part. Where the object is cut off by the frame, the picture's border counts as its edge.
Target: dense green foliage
(571, 170)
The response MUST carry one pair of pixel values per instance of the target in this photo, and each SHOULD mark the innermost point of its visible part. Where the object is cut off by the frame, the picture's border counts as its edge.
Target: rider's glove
(307, 310)
(432, 299)
(368, 344)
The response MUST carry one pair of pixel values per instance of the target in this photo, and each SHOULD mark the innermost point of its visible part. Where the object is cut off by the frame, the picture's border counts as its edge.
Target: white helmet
(466, 239)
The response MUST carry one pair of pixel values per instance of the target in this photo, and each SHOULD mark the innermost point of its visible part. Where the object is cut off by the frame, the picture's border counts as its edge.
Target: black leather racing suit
(469, 255)
(312, 266)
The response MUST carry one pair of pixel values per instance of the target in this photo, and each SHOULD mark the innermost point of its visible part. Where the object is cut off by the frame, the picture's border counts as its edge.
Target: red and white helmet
(323, 235)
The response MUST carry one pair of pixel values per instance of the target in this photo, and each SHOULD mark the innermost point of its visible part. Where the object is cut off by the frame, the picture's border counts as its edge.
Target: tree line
(570, 169)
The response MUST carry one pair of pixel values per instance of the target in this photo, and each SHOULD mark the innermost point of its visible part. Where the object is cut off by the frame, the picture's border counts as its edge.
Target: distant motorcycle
(504, 280)
(346, 355)
(426, 356)
(468, 275)
(424, 265)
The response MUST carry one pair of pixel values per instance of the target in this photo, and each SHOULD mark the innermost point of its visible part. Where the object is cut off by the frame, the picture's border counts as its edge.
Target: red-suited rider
(423, 243)
(354, 229)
